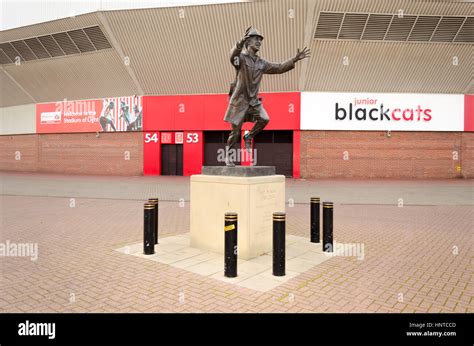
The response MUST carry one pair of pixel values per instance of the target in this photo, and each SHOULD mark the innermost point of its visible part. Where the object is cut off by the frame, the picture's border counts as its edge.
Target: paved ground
(412, 192)
(418, 250)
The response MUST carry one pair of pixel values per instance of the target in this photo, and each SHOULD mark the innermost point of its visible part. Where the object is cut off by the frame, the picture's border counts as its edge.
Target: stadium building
(113, 88)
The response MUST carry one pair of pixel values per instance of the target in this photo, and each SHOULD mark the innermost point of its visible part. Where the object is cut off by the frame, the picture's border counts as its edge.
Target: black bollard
(279, 225)
(315, 220)
(230, 246)
(327, 226)
(148, 229)
(155, 201)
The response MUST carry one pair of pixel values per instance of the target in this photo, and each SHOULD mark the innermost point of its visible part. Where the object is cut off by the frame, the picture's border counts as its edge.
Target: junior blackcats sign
(382, 112)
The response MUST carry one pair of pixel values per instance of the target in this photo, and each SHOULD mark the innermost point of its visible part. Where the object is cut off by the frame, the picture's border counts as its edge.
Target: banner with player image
(113, 114)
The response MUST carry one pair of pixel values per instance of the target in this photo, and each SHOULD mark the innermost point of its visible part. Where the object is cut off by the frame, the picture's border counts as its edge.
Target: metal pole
(230, 246)
(328, 245)
(279, 225)
(148, 229)
(155, 202)
(315, 220)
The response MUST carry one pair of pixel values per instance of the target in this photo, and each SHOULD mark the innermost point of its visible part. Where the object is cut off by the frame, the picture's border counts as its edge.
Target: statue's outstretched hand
(301, 54)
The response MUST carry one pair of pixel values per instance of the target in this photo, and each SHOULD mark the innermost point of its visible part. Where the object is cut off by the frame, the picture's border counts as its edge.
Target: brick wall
(19, 153)
(468, 155)
(371, 154)
(78, 153)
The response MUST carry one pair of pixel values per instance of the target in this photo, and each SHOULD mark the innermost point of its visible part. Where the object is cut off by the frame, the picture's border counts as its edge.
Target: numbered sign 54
(151, 137)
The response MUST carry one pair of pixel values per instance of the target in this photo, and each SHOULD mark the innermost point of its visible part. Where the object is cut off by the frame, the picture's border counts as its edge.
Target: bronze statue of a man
(244, 104)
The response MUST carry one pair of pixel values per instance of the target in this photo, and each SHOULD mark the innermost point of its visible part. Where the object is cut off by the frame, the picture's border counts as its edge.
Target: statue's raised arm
(237, 49)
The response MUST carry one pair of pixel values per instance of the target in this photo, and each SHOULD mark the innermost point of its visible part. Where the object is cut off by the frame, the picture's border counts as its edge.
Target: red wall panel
(215, 107)
(178, 113)
(188, 112)
(206, 112)
(283, 109)
(194, 114)
(193, 152)
(151, 153)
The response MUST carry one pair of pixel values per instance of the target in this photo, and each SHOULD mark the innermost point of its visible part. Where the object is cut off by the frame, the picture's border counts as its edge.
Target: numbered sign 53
(192, 137)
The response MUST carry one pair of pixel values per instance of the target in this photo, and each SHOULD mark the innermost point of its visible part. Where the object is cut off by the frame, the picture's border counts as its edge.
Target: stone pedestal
(254, 197)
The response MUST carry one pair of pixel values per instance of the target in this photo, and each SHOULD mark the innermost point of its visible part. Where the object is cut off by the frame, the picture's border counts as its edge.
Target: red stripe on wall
(469, 113)
(206, 112)
(151, 153)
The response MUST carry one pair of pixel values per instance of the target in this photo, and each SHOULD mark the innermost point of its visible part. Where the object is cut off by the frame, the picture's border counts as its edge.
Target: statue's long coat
(250, 73)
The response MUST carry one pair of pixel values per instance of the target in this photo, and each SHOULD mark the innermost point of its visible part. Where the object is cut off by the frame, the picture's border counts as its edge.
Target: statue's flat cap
(254, 32)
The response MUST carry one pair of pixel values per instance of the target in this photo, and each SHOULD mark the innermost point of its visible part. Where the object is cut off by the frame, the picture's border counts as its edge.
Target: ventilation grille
(392, 27)
(49, 46)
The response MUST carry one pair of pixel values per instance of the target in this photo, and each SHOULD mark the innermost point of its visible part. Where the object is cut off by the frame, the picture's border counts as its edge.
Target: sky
(18, 13)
